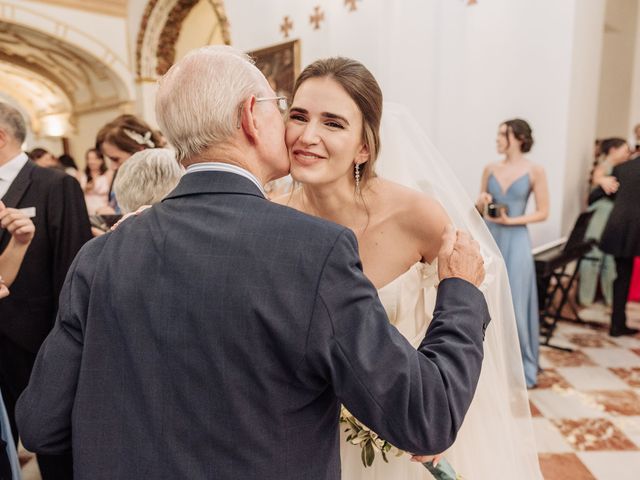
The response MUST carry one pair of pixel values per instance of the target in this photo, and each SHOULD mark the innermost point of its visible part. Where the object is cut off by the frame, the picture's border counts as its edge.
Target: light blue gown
(515, 246)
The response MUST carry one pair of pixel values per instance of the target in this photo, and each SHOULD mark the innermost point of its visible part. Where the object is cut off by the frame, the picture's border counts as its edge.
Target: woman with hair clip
(505, 190)
(601, 268)
(22, 230)
(117, 141)
(333, 135)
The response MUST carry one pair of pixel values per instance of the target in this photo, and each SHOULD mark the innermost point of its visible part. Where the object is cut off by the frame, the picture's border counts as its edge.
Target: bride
(333, 140)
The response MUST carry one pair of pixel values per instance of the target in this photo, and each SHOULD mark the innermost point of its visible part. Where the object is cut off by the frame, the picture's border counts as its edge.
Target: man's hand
(459, 257)
(17, 224)
(609, 184)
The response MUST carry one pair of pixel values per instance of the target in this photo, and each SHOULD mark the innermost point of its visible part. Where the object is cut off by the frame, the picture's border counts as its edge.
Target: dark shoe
(623, 331)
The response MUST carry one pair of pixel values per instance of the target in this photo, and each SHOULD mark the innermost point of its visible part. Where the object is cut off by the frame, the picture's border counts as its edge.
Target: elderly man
(56, 201)
(215, 335)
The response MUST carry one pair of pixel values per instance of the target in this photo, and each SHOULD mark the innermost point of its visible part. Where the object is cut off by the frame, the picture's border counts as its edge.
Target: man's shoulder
(302, 223)
(627, 167)
(51, 176)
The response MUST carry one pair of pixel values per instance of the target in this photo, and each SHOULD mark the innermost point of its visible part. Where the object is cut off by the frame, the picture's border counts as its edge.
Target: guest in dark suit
(216, 334)
(62, 227)
(621, 238)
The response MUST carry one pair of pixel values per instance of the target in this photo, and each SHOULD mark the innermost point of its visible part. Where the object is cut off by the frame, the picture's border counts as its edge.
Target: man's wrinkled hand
(460, 257)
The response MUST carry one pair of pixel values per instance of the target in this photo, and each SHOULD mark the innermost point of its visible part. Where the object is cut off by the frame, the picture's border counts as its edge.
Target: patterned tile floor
(586, 409)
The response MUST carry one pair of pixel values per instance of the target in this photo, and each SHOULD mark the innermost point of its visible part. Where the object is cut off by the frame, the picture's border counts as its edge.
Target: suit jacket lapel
(17, 190)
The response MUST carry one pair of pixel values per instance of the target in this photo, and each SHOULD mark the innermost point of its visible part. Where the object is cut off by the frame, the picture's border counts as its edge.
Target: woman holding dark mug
(505, 190)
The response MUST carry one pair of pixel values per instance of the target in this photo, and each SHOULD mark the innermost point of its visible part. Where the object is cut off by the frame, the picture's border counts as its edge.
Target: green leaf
(370, 454)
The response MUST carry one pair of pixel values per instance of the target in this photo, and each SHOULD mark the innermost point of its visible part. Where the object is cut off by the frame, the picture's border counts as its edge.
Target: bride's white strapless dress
(409, 300)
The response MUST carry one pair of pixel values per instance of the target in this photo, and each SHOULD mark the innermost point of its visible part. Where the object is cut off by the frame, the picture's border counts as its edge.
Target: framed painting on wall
(280, 64)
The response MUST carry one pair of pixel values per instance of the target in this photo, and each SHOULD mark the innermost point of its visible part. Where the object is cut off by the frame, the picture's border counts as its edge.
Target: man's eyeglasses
(283, 104)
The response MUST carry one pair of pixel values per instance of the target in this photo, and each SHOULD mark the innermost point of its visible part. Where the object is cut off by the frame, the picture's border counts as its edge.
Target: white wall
(583, 107)
(634, 110)
(617, 68)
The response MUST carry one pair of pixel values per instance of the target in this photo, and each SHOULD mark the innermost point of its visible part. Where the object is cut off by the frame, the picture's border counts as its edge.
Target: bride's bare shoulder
(405, 200)
(415, 212)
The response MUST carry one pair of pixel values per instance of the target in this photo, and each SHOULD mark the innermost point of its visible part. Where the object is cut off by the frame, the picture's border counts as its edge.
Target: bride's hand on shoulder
(128, 215)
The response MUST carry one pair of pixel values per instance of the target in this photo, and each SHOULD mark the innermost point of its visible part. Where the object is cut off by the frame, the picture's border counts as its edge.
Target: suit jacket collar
(196, 183)
(19, 185)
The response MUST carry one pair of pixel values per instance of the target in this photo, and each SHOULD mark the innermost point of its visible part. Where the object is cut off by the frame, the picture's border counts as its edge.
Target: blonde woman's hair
(146, 178)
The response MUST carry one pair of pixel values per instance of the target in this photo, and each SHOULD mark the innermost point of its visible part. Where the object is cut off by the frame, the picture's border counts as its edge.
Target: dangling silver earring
(357, 175)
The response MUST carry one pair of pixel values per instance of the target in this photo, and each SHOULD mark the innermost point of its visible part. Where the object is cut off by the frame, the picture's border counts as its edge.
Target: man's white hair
(12, 122)
(199, 98)
(146, 178)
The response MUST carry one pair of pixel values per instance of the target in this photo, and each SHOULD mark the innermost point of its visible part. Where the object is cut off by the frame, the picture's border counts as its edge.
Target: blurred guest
(601, 268)
(162, 141)
(146, 178)
(621, 238)
(505, 190)
(68, 164)
(43, 158)
(21, 229)
(634, 289)
(96, 181)
(117, 141)
(56, 202)
(634, 142)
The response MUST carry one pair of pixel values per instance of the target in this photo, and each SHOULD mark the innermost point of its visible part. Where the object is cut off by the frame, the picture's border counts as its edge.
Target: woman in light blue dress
(506, 187)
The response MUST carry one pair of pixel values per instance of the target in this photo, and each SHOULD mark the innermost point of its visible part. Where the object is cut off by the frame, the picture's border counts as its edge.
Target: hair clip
(139, 139)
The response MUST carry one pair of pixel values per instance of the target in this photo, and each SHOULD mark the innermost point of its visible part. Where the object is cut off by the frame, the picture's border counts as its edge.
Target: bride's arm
(428, 220)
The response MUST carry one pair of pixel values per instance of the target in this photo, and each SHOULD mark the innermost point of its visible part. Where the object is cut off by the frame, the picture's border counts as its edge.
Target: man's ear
(247, 119)
(3, 138)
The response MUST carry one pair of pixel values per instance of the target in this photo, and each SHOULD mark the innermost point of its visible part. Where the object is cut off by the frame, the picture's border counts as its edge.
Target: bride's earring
(357, 175)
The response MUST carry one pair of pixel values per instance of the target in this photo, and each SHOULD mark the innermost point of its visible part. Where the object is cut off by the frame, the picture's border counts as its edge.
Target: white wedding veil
(496, 440)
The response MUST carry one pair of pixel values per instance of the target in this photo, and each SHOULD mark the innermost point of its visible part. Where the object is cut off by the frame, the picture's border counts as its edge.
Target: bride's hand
(131, 214)
(427, 458)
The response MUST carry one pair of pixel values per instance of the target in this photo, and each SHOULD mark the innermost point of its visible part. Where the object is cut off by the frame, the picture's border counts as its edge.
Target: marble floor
(586, 409)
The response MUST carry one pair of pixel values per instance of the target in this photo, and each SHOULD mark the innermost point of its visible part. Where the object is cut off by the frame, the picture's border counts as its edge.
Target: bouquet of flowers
(370, 442)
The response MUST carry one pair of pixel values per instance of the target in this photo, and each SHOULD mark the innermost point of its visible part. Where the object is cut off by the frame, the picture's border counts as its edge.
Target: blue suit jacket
(215, 336)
